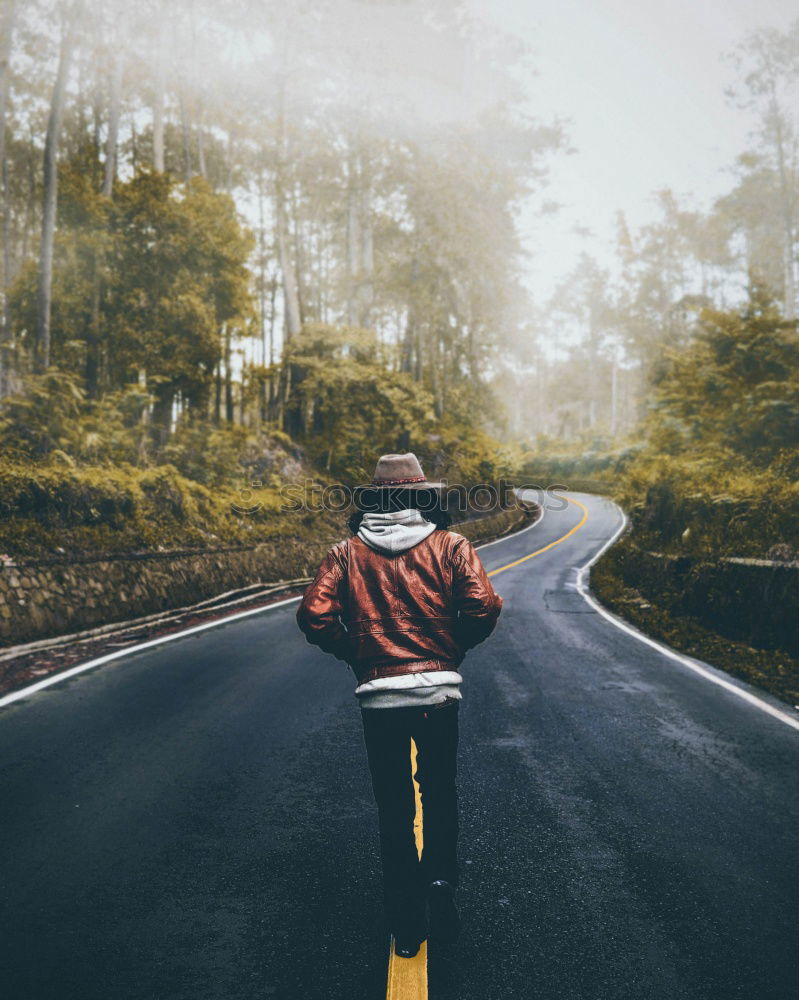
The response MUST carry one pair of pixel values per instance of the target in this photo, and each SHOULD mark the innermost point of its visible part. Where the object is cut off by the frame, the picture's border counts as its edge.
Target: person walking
(401, 602)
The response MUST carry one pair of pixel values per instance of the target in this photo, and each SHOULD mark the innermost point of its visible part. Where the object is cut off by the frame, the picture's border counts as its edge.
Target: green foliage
(346, 406)
(553, 461)
(50, 508)
(52, 422)
(709, 505)
(225, 456)
(150, 282)
(54, 496)
(51, 416)
(463, 453)
(179, 257)
(206, 454)
(735, 386)
(114, 429)
(720, 471)
(44, 417)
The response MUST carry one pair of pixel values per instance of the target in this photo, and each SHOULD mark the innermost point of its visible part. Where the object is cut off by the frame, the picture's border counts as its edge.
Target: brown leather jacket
(388, 614)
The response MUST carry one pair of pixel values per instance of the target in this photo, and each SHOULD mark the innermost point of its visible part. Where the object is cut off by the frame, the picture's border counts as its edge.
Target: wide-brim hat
(397, 473)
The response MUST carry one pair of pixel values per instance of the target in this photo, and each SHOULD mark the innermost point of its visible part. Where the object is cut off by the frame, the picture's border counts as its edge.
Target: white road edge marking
(694, 665)
(55, 678)
(513, 534)
(100, 660)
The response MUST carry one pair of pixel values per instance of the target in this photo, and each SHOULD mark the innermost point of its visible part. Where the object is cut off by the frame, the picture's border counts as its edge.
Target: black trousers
(388, 733)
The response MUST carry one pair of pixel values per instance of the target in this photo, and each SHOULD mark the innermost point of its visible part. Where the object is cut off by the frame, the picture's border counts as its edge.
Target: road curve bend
(195, 820)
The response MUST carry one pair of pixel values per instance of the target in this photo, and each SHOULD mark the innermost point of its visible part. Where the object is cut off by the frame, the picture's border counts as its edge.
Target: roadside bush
(233, 456)
(601, 466)
(709, 505)
(47, 509)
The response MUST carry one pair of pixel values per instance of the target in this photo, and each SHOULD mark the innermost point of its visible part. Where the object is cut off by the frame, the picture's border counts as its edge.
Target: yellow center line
(417, 819)
(551, 545)
(407, 977)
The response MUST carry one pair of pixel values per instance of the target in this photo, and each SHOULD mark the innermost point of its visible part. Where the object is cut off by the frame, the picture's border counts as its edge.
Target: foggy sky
(642, 82)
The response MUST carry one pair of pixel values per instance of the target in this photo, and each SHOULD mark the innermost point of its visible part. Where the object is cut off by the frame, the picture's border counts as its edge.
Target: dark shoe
(407, 947)
(409, 927)
(445, 921)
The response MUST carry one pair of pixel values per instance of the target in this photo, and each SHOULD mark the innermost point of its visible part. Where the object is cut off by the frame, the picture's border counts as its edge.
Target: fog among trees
(305, 219)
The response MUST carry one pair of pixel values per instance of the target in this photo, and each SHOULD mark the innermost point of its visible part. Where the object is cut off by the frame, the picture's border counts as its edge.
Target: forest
(254, 252)
(187, 256)
(247, 244)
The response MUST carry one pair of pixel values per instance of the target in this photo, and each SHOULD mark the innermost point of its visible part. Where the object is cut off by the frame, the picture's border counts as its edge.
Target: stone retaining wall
(41, 598)
(750, 600)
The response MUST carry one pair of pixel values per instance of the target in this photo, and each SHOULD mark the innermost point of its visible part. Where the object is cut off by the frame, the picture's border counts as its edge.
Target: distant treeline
(716, 472)
(623, 323)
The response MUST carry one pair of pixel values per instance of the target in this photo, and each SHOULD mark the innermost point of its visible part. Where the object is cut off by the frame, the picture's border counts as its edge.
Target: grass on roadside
(772, 670)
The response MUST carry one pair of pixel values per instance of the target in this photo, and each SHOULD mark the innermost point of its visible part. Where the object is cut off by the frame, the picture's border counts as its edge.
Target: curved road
(195, 822)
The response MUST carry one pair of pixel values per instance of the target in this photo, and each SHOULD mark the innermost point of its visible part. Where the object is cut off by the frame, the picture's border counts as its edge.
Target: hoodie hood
(395, 531)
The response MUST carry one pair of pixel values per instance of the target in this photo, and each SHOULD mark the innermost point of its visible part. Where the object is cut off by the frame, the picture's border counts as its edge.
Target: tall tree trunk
(789, 265)
(272, 394)
(93, 340)
(367, 257)
(158, 103)
(267, 341)
(366, 248)
(185, 132)
(200, 139)
(292, 320)
(406, 353)
(411, 339)
(272, 314)
(262, 272)
(6, 33)
(92, 369)
(218, 393)
(291, 299)
(145, 415)
(787, 195)
(229, 411)
(543, 411)
(5, 316)
(434, 342)
(161, 425)
(134, 145)
(97, 125)
(299, 259)
(353, 240)
(360, 254)
(114, 102)
(593, 362)
(50, 196)
(28, 228)
(614, 394)
(231, 153)
(322, 283)
(263, 401)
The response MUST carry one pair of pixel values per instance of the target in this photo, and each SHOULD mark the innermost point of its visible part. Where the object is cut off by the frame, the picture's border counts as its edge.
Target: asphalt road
(195, 822)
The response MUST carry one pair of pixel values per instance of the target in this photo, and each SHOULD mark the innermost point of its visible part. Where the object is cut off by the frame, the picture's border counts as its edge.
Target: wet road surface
(195, 821)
